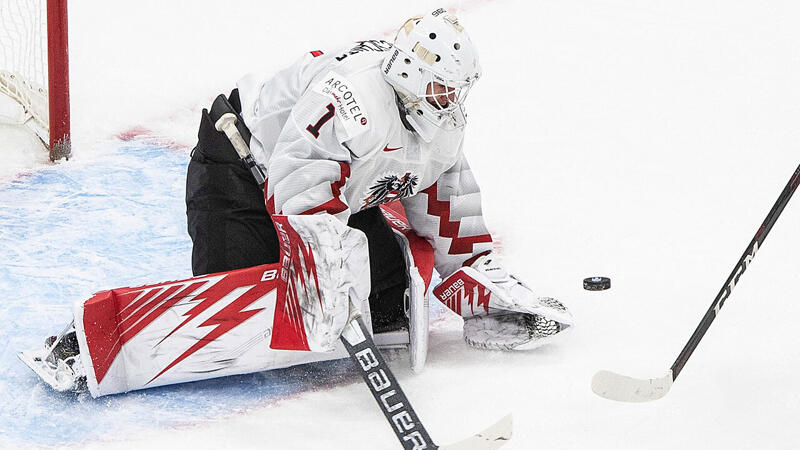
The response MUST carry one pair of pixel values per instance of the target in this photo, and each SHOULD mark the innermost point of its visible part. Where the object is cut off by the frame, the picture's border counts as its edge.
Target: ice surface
(644, 141)
(20, 151)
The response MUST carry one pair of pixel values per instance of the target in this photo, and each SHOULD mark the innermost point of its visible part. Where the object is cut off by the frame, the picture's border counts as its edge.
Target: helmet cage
(442, 100)
(432, 68)
(438, 100)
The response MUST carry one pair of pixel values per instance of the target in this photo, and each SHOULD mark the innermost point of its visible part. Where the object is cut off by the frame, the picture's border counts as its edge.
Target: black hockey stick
(395, 405)
(359, 344)
(626, 389)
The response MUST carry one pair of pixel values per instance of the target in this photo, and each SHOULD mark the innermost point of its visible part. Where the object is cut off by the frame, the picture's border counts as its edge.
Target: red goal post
(34, 70)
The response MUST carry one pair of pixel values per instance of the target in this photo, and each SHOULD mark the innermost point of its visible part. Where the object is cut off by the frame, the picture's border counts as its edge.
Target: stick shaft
(384, 388)
(737, 272)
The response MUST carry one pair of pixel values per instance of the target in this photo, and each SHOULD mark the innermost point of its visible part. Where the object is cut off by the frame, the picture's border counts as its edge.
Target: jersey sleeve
(448, 215)
(309, 168)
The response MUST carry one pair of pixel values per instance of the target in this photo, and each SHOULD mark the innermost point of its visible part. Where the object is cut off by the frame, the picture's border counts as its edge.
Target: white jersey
(329, 132)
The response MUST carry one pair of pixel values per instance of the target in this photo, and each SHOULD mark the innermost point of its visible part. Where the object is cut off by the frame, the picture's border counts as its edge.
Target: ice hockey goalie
(366, 191)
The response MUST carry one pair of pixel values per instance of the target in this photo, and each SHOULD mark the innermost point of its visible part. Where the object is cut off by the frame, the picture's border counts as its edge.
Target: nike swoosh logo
(387, 149)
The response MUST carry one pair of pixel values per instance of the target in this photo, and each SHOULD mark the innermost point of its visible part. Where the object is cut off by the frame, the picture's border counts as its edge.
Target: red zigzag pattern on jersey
(441, 209)
(332, 206)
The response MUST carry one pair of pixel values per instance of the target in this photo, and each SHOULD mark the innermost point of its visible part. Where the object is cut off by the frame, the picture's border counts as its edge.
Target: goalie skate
(58, 363)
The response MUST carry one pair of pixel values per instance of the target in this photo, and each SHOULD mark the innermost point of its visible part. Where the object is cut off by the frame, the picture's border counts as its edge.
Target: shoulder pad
(349, 105)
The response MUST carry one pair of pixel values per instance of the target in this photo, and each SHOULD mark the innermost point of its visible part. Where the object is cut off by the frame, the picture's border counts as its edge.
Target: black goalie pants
(231, 229)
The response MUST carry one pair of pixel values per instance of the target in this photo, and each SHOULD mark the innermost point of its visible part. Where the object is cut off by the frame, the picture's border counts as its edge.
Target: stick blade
(491, 438)
(621, 388)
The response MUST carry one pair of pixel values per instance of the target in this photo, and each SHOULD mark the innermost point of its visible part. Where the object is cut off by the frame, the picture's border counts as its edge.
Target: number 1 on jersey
(314, 129)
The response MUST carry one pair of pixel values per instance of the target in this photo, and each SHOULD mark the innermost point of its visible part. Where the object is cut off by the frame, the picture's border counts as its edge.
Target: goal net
(34, 81)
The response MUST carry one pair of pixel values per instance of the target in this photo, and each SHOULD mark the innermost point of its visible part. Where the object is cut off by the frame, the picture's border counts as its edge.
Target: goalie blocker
(243, 321)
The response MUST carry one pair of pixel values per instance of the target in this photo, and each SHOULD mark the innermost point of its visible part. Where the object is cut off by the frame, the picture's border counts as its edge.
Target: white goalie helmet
(432, 67)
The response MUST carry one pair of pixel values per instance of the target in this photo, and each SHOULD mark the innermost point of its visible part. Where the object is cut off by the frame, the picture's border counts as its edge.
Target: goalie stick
(395, 405)
(622, 388)
(362, 350)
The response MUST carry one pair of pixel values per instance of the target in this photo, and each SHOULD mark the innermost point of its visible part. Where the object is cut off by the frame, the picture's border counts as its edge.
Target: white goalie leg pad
(242, 321)
(419, 259)
(417, 309)
(324, 264)
(417, 321)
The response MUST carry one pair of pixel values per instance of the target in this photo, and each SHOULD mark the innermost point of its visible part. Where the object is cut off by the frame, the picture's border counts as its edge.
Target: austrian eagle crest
(390, 187)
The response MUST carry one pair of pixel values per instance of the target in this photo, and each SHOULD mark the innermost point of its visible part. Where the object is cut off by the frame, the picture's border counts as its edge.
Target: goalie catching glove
(499, 311)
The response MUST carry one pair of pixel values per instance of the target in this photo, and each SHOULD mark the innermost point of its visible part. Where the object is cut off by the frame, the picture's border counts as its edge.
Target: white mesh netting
(23, 64)
(23, 39)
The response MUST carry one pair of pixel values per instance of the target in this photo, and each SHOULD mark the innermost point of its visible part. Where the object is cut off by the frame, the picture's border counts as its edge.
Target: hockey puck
(597, 283)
